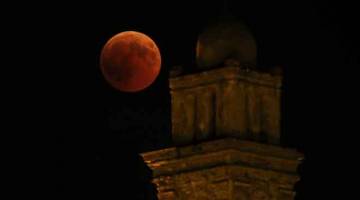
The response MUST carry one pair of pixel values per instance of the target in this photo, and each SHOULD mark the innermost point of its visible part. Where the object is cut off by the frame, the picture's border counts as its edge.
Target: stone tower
(226, 132)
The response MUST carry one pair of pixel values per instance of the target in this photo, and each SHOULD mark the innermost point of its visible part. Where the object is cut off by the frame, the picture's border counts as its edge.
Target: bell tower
(225, 126)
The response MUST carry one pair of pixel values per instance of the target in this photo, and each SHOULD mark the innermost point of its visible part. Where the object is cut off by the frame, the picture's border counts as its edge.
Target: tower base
(224, 169)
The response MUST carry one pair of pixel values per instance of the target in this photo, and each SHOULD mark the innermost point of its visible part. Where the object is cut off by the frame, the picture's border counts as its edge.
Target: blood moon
(130, 61)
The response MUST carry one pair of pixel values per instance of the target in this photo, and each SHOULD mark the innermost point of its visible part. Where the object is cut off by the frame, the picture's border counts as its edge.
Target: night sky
(310, 40)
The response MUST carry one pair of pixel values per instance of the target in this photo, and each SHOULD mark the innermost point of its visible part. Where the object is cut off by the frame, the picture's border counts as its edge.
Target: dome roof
(227, 38)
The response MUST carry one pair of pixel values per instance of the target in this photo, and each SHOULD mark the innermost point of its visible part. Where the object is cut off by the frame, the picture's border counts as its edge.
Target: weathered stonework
(224, 169)
(228, 101)
(225, 123)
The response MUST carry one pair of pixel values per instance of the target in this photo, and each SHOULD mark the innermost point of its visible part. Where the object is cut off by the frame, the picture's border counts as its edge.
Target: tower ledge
(228, 168)
(225, 74)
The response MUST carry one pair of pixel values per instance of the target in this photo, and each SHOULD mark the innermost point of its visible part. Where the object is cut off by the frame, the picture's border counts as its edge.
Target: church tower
(225, 126)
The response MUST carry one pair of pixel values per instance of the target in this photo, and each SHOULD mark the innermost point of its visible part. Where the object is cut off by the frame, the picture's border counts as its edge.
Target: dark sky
(311, 40)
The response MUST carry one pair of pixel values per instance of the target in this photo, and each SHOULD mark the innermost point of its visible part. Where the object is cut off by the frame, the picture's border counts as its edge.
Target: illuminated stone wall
(227, 101)
(225, 128)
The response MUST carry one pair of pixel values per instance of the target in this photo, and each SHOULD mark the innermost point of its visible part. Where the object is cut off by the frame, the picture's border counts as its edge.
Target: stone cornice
(227, 151)
(223, 74)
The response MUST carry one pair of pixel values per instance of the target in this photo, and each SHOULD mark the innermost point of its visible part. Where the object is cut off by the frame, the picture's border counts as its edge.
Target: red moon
(130, 61)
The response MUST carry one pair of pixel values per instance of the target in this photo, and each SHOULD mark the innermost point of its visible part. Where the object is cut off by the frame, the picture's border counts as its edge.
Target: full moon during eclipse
(130, 61)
